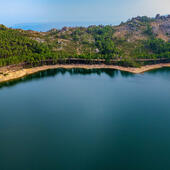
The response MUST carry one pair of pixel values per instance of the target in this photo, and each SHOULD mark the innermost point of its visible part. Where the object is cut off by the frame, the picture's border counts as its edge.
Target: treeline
(16, 48)
(158, 47)
(153, 49)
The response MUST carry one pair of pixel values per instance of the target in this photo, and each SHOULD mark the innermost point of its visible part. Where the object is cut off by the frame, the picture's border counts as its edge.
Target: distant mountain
(47, 26)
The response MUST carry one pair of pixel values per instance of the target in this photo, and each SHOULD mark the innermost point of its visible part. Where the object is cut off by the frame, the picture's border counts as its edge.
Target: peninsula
(137, 45)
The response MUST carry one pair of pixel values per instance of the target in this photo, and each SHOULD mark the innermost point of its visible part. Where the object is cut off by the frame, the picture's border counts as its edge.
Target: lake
(86, 120)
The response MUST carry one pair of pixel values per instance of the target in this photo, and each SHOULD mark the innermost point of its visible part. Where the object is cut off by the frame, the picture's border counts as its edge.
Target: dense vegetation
(16, 48)
(127, 43)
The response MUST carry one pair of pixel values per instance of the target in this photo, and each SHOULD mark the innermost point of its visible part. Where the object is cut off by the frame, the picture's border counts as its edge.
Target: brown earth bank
(9, 73)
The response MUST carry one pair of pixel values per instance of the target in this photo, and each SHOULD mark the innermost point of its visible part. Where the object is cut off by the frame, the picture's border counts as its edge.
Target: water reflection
(86, 120)
(159, 71)
(76, 71)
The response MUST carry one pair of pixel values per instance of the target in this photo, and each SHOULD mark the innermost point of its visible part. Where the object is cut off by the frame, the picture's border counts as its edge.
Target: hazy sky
(111, 11)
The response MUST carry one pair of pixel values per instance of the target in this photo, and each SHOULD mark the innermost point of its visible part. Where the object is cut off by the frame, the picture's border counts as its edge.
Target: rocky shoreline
(8, 74)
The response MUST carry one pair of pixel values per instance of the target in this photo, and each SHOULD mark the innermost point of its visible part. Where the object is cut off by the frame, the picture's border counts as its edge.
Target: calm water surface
(86, 120)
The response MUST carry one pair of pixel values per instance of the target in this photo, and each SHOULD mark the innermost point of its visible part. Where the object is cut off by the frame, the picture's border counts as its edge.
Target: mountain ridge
(138, 38)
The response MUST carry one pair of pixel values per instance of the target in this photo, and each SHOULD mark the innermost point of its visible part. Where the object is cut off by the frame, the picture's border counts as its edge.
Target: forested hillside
(138, 38)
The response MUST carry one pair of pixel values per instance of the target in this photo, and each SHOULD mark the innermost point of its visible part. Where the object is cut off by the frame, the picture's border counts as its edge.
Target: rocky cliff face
(161, 27)
(135, 28)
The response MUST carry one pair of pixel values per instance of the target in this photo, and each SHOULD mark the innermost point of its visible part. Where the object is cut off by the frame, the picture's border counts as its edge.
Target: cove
(79, 119)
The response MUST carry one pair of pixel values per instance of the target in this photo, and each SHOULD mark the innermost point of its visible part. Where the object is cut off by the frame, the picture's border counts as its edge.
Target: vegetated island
(137, 45)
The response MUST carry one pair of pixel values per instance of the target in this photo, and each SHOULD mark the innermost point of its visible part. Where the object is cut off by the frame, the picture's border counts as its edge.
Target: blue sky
(106, 11)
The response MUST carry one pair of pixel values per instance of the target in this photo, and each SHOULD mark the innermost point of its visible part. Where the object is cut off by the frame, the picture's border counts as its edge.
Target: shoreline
(13, 74)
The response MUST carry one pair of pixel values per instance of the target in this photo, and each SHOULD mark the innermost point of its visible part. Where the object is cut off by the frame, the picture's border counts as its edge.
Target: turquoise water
(86, 120)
